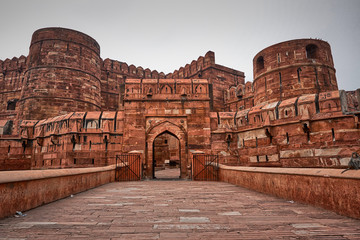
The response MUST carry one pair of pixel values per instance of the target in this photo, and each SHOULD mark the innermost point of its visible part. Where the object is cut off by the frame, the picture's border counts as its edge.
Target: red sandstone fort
(63, 106)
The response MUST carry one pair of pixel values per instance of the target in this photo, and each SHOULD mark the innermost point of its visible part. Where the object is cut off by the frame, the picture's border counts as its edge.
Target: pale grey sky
(164, 35)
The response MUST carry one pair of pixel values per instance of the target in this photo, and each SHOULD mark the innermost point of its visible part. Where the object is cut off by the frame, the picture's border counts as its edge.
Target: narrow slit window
(298, 74)
(333, 134)
(287, 138)
(256, 141)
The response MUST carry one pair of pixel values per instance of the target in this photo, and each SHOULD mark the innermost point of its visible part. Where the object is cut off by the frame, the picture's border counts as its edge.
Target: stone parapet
(24, 190)
(325, 188)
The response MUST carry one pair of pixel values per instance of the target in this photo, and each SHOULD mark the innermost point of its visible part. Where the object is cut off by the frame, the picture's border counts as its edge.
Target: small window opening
(257, 159)
(93, 161)
(9, 148)
(286, 113)
(278, 57)
(243, 142)
(333, 134)
(266, 157)
(166, 141)
(74, 160)
(311, 51)
(287, 138)
(260, 63)
(11, 105)
(256, 141)
(51, 163)
(254, 119)
(90, 146)
(85, 138)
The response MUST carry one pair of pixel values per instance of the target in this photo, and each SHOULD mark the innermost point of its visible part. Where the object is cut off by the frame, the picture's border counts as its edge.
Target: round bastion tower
(292, 68)
(63, 74)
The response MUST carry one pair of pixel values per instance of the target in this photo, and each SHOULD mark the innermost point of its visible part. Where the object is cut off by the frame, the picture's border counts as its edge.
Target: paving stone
(177, 210)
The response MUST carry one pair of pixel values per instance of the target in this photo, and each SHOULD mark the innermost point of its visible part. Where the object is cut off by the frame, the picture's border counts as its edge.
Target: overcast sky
(164, 35)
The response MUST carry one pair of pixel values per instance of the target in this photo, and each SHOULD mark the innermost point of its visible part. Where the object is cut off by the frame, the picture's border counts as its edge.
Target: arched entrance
(166, 156)
(159, 130)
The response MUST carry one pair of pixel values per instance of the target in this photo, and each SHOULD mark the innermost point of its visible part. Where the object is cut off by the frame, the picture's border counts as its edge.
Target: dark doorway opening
(166, 157)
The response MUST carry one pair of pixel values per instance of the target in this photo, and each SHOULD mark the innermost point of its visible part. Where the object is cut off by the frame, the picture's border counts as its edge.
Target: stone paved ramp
(177, 210)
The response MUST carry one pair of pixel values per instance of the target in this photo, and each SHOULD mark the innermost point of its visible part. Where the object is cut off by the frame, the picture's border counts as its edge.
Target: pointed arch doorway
(159, 132)
(166, 156)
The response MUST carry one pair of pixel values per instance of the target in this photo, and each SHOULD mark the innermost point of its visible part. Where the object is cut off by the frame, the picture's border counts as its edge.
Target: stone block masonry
(326, 188)
(63, 106)
(21, 191)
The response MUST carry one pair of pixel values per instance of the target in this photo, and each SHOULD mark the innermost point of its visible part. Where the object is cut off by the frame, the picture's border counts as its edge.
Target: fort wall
(11, 82)
(306, 131)
(65, 107)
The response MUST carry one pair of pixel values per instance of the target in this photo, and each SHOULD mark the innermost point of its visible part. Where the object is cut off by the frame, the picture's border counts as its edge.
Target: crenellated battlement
(14, 64)
(130, 71)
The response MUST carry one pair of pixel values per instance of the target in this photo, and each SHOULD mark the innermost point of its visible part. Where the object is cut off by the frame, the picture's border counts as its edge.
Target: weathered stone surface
(219, 205)
(63, 106)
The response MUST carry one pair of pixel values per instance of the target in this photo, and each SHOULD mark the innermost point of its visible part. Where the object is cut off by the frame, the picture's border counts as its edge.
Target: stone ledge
(29, 175)
(316, 172)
